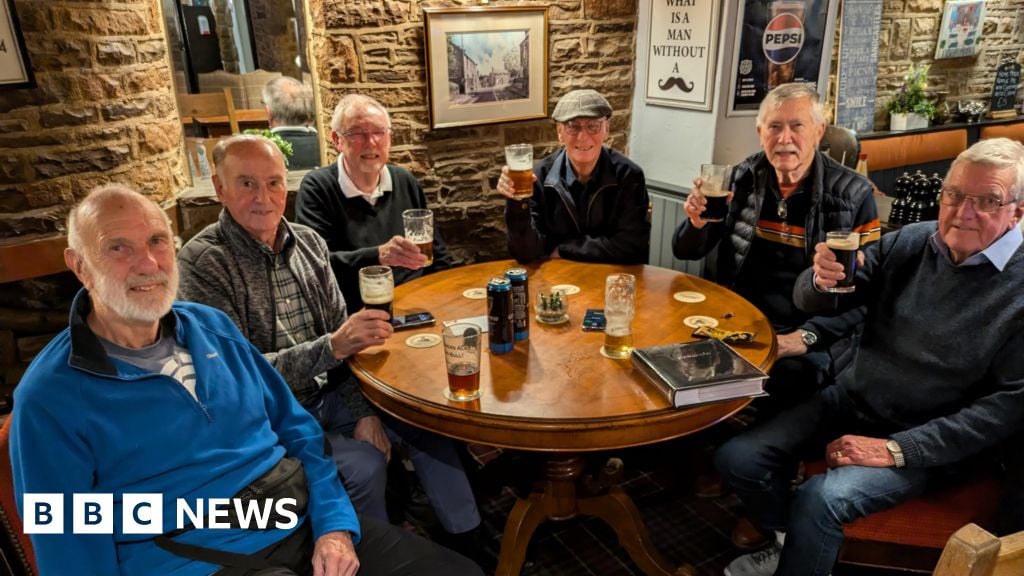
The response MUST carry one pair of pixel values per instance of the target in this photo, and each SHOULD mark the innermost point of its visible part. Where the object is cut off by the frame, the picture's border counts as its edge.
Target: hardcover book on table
(699, 372)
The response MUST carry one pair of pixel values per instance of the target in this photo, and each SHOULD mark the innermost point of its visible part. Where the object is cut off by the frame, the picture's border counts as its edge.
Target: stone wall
(376, 47)
(909, 33)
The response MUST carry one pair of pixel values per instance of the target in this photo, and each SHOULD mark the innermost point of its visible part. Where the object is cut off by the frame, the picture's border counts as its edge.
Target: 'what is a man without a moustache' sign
(681, 60)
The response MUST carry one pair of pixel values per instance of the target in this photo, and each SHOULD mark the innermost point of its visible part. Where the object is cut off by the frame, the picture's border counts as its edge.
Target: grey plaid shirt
(295, 323)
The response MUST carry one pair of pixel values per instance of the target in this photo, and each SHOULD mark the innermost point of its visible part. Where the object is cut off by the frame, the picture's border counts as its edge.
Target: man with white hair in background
(290, 110)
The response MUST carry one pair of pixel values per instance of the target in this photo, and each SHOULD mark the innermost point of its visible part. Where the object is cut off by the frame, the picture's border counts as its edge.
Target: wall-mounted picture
(15, 70)
(960, 32)
(486, 64)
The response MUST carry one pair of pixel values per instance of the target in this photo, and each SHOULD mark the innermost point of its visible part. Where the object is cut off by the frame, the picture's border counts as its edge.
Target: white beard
(137, 306)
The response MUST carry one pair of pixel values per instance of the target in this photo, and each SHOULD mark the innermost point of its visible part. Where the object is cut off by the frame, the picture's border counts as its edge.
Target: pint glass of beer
(844, 244)
(519, 158)
(783, 40)
(715, 184)
(419, 228)
(462, 357)
(619, 306)
(377, 288)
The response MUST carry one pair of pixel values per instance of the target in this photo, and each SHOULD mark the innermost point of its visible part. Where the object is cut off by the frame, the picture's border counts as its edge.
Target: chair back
(972, 551)
(208, 106)
(15, 544)
(843, 146)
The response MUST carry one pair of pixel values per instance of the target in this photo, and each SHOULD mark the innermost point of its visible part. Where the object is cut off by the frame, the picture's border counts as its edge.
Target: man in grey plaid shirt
(274, 280)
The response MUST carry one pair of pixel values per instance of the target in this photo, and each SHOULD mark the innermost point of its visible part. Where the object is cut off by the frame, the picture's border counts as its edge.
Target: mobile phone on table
(404, 321)
(593, 320)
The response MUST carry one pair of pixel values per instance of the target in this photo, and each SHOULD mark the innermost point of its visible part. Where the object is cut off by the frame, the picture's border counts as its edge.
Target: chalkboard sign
(1004, 89)
(858, 64)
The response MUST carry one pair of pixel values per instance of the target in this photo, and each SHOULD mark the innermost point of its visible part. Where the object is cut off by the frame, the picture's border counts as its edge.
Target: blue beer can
(499, 315)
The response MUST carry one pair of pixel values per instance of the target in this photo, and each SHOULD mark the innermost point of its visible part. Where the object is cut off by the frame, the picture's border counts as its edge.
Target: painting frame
(15, 67)
(664, 75)
(960, 29)
(464, 92)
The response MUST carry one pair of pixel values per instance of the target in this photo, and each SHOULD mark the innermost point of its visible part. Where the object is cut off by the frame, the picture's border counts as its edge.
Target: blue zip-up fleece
(85, 422)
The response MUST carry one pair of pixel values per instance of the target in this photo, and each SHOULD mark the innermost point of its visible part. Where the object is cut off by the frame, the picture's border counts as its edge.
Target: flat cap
(579, 103)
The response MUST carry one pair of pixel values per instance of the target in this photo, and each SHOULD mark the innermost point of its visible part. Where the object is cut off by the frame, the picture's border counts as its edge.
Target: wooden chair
(972, 551)
(213, 108)
(15, 545)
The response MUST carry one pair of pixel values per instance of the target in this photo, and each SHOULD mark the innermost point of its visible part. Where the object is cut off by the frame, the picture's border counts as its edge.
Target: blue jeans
(363, 469)
(761, 464)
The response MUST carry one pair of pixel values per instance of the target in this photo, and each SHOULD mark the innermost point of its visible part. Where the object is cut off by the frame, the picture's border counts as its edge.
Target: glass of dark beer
(377, 288)
(844, 244)
(715, 187)
(462, 357)
(419, 229)
(519, 158)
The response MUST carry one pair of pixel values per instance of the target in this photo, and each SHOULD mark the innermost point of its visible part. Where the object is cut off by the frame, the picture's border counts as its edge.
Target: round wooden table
(556, 393)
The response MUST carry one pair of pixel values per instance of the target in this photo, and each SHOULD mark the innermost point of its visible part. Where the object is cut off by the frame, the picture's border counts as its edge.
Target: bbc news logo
(144, 513)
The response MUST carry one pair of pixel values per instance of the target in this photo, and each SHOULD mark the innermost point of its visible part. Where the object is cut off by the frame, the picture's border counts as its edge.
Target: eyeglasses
(981, 203)
(361, 137)
(592, 126)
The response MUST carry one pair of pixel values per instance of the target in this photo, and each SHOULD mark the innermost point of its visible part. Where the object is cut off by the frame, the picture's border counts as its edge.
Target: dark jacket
(305, 147)
(613, 229)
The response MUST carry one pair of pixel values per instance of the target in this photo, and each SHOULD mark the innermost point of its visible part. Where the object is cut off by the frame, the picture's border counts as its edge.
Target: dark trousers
(384, 549)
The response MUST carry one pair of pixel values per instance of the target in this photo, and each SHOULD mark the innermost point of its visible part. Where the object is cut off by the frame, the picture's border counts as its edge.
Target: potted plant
(911, 107)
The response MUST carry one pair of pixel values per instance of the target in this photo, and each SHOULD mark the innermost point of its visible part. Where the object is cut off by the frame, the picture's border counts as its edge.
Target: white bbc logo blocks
(93, 514)
(142, 514)
(43, 513)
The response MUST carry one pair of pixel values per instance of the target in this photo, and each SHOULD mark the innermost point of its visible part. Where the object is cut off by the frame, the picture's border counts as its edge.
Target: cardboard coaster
(475, 293)
(689, 297)
(423, 340)
(569, 289)
(697, 321)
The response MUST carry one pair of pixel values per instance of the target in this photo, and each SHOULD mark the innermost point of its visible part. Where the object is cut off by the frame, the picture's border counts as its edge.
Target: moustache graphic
(675, 82)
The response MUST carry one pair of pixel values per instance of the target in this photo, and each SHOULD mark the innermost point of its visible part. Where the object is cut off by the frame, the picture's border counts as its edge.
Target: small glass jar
(552, 307)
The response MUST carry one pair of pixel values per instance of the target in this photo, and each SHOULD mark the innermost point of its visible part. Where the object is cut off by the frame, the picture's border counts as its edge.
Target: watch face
(809, 338)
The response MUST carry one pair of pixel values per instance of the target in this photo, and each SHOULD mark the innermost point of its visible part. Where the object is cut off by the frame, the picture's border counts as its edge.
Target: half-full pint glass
(377, 288)
(715, 187)
(783, 39)
(519, 158)
(419, 229)
(844, 244)
(462, 357)
(619, 306)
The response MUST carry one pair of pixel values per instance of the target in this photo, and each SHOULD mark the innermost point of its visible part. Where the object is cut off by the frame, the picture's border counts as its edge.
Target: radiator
(666, 215)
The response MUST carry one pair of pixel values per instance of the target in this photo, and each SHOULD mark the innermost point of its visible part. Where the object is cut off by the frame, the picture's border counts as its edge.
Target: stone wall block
(409, 57)
(565, 9)
(124, 110)
(25, 223)
(607, 47)
(101, 21)
(12, 199)
(13, 125)
(12, 169)
(336, 57)
(108, 157)
(624, 27)
(115, 53)
(49, 53)
(361, 13)
(899, 47)
(922, 49)
(532, 132)
(67, 116)
(395, 75)
(925, 6)
(157, 138)
(145, 80)
(34, 16)
(566, 48)
(926, 26)
(605, 9)
(389, 38)
(33, 139)
(151, 50)
(560, 29)
(49, 193)
(378, 57)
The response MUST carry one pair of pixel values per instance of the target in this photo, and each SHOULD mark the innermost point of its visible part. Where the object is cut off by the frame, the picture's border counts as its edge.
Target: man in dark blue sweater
(938, 379)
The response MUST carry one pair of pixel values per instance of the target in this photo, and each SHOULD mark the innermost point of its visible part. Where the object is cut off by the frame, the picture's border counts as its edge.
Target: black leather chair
(842, 145)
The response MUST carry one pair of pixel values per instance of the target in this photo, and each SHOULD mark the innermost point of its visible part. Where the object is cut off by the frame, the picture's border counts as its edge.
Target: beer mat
(566, 288)
(609, 356)
(698, 321)
(727, 336)
(689, 297)
(479, 321)
(422, 340)
(475, 293)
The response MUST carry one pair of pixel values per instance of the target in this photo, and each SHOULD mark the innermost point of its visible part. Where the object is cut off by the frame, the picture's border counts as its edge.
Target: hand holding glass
(462, 357)
(715, 187)
(419, 229)
(844, 244)
(377, 288)
(619, 308)
(519, 158)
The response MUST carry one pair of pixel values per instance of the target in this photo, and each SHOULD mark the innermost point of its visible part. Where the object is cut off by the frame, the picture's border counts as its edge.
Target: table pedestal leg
(556, 499)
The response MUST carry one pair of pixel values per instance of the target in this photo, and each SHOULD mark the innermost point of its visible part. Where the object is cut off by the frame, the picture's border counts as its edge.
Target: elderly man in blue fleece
(144, 395)
(938, 380)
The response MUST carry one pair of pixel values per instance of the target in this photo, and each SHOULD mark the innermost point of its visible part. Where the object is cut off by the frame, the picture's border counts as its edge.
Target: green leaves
(912, 97)
(283, 145)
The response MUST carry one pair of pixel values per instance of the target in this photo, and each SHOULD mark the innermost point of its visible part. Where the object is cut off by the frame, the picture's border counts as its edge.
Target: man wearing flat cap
(589, 202)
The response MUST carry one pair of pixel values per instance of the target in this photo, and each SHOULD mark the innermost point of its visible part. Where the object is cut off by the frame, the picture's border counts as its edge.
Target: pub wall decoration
(486, 64)
(777, 42)
(15, 69)
(960, 32)
(681, 58)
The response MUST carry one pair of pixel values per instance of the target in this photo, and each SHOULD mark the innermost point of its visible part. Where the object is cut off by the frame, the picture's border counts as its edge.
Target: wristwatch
(808, 338)
(897, 453)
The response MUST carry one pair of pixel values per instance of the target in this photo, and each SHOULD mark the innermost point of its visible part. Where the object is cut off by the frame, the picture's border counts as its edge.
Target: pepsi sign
(783, 38)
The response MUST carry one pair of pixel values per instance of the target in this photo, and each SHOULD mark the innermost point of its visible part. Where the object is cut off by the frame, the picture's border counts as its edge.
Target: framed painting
(486, 64)
(15, 70)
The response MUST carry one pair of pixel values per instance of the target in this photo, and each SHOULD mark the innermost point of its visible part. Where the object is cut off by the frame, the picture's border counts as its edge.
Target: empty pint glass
(377, 288)
(619, 307)
(519, 158)
(715, 186)
(462, 357)
(419, 229)
(844, 244)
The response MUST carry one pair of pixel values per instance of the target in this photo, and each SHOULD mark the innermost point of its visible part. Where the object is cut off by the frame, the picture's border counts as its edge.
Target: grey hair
(352, 102)
(91, 203)
(792, 91)
(290, 101)
(1000, 153)
(220, 151)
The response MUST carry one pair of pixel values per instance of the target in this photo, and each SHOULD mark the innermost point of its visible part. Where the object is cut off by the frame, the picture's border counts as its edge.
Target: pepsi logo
(783, 38)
